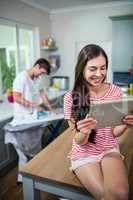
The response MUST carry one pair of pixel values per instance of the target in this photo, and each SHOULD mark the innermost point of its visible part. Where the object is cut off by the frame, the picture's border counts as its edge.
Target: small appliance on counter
(122, 78)
(60, 82)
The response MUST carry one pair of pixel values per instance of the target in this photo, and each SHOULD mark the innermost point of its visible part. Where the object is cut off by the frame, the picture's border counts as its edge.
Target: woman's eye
(103, 68)
(92, 69)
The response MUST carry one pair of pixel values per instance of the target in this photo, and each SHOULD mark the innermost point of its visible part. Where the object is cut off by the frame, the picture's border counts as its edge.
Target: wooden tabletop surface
(52, 164)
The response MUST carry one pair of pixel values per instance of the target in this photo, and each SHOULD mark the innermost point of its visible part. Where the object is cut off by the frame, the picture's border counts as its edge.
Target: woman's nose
(98, 73)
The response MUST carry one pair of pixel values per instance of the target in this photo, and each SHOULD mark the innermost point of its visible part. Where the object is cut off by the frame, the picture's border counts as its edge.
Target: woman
(95, 156)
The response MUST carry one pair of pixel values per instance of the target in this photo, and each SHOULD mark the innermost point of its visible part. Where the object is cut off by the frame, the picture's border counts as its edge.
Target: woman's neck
(98, 91)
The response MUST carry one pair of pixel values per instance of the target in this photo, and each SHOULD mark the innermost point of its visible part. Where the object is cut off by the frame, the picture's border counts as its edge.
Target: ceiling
(51, 5)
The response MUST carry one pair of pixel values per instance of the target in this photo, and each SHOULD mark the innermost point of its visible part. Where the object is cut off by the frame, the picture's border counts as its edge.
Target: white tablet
(111, 113)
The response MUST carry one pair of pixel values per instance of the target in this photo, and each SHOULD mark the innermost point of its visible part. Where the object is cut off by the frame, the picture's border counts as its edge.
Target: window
(17, 51)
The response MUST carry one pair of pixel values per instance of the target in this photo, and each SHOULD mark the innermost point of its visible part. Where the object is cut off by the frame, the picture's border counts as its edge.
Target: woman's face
(95, 71)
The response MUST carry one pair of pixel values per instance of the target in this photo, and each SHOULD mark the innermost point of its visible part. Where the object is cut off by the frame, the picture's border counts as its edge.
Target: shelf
(49, 49)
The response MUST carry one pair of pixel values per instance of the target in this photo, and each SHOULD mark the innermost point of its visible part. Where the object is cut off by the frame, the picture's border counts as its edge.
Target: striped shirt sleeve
(116, 92)
(68, 105)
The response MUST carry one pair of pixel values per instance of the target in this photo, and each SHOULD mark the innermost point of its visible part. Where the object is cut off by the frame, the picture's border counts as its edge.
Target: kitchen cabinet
(122, 42)
(122, 78)
(8, 155)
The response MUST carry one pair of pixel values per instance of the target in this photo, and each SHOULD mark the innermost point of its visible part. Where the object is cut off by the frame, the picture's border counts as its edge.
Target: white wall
(90, 24)
(23, 13)
(18, 11)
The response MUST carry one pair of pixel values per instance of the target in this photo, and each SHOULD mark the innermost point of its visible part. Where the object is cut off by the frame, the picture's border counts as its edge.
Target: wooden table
(49, 171)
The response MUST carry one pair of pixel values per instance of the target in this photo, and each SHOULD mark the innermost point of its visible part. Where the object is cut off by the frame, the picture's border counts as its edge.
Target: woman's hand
(128, 120)
(119, 130)
(86, 124)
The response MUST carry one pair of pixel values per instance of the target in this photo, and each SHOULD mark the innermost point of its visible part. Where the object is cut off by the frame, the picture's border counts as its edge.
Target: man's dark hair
(43, 63)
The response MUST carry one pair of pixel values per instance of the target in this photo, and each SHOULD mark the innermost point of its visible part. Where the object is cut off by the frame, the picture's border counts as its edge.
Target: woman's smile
(95, 80)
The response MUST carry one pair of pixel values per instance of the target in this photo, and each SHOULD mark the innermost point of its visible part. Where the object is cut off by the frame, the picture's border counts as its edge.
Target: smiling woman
(95, 150)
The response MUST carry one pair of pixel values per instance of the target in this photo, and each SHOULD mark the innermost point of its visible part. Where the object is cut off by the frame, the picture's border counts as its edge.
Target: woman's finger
(128, 121)
(85, 131)
(86, 120)
(87, 125)
(128, 117)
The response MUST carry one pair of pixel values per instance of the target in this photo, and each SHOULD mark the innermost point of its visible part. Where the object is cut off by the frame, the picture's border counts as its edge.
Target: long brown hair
(80, 93)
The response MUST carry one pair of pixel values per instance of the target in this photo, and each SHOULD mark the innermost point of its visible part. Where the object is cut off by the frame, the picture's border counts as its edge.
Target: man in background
(28, 93)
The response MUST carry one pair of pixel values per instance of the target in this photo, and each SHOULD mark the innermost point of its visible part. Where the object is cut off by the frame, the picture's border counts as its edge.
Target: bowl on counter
(10, 99)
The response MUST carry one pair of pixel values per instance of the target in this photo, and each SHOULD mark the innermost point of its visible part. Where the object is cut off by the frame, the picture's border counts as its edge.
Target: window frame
(35, 43)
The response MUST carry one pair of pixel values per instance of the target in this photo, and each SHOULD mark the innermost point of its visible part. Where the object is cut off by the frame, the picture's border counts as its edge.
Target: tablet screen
(110, 113)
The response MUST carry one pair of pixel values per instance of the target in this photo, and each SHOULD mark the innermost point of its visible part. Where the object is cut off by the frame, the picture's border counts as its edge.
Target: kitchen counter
(6, 108)
(9, 157)
(6, 111)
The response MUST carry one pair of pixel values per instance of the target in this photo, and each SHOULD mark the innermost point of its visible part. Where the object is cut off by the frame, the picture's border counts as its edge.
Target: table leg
(29, 192)
(62, 190)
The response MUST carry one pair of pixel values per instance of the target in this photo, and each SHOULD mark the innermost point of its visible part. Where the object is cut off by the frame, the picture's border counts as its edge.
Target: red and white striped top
(104, 139)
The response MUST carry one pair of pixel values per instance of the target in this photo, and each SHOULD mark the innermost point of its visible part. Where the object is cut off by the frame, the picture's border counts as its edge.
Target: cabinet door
(8, 158)
(8, 155)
